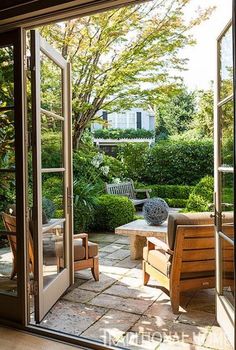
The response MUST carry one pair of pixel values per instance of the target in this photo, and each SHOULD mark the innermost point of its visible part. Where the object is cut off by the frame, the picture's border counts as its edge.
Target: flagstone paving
(118, 310)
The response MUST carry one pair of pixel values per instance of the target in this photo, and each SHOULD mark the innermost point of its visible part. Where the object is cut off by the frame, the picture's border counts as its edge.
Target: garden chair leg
(95, 269)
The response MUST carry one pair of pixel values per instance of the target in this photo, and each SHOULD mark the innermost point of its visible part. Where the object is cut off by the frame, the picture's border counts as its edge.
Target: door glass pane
(8, 242)
(7, 140)
(53, 251)
(227, 251)
(227, 202)
(227, 192)
(52, 142)
(7, 76)
(53, 195)
(226, 69)
(227, 134)
(53, 225)
(51, 85)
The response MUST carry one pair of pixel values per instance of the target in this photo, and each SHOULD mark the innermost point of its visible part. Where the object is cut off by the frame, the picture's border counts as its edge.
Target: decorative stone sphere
(155, 211)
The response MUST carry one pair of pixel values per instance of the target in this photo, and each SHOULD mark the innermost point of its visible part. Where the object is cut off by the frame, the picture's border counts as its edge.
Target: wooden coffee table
(137, 231)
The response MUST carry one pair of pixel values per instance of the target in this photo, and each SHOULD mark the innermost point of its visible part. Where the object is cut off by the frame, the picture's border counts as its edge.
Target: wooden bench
(127, 189)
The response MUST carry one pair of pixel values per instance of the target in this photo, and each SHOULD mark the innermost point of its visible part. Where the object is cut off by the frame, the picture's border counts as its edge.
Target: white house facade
(135, 118)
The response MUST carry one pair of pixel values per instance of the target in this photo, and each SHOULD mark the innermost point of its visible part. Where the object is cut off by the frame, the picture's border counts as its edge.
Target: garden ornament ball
(155, 211)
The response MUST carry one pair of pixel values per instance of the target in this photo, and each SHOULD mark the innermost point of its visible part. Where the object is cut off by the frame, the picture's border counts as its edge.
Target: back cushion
(175, 219)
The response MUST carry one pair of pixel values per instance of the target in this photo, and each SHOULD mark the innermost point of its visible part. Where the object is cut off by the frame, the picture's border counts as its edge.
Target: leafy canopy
(123, 57)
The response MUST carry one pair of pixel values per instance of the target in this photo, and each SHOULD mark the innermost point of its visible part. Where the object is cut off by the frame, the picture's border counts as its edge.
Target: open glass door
(224, 184)
(13, 280)
(52, 183)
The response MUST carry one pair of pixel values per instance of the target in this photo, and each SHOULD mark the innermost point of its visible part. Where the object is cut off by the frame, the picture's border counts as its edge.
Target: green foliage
(53, 192)
(176, 196)
(133, 157)
(85, 166)
(113, 211)
(203, 124)
(175, 114)
(168, 191)
(7, 132)
(7, 192)
(179, 162)
(115, 52)
(201, 199)
(51, 148)
(123, 134)
(48, 208)
(176, 202)
(85, 200)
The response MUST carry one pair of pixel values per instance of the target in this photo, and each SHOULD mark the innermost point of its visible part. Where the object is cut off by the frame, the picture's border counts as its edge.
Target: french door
(13, 280)
(51, 224)
(224, 184)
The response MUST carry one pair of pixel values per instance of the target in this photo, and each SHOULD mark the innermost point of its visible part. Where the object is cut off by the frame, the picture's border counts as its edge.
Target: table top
(141, 228)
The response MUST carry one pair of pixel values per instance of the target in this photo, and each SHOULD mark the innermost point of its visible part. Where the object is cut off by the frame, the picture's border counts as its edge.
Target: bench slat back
(121, 189)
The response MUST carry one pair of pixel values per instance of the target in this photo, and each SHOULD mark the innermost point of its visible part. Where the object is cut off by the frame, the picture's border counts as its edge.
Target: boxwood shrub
(176, 202)
(168, 191)
(123, 134)
(176, 196)
(112, 211)
(201, 199)
(179, 162)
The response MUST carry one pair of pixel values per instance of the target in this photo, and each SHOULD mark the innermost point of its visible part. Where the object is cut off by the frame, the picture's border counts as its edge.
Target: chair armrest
(153, 243)
(144, 190)
(80, 235)
(84, 237)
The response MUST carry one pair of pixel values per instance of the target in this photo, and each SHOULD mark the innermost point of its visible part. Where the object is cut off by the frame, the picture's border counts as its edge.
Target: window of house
(139, 120)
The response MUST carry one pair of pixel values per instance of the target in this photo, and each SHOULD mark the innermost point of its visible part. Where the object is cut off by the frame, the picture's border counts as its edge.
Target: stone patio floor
(118, 310)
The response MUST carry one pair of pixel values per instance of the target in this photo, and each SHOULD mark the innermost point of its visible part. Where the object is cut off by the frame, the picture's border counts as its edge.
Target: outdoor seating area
(117, 171)
(119, 310)
(151, 300)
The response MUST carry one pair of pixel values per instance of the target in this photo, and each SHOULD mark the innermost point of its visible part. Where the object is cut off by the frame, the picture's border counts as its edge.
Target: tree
(175, 114)
(120, 57)
(203, 123)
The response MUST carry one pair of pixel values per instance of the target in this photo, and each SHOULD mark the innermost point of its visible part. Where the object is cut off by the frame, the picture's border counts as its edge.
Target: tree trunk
(77, 135)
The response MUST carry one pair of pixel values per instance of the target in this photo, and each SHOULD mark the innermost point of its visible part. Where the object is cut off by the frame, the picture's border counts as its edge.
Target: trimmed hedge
(176, 196)
(168, 191)
(176, 202)
(123, 134)
(179, 162)
(112, 211)
(201, 198)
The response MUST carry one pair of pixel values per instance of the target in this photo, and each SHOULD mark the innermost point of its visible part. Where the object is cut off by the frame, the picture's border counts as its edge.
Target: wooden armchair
(85, 254)
(187, 260)
(10, 225)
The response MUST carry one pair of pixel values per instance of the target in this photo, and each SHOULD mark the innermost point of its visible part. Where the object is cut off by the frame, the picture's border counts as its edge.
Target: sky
(202, 57)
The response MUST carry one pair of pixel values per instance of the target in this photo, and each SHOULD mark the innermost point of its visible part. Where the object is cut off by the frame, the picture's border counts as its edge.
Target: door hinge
(33, 288)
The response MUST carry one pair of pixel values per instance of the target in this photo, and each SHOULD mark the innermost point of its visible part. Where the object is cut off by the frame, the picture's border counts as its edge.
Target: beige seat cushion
(79, 250)
(92, 249)
(158, 259)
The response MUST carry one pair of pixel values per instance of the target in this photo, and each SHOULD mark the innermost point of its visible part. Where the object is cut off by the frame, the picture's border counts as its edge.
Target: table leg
(136, 247)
